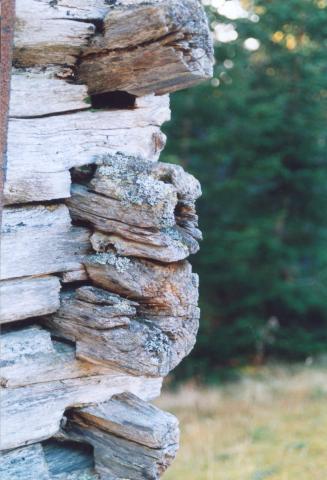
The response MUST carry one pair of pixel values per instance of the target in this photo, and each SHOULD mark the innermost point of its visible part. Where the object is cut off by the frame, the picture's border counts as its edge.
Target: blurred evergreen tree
(256, 138)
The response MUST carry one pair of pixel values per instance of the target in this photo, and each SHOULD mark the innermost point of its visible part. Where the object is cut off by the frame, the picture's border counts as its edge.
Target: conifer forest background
(256, 138)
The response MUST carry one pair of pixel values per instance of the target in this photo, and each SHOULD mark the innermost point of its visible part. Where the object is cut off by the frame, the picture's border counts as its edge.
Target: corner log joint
(99, 301)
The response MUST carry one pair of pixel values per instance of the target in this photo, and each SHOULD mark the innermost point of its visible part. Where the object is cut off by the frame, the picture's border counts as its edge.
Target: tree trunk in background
(95, 236)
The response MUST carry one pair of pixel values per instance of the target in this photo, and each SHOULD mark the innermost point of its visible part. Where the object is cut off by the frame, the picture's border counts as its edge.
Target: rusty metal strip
(7, 20)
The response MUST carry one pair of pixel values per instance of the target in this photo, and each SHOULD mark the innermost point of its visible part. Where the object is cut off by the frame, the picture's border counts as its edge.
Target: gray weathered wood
(145, 209)
(36, 92)
(107, 332)
(38, 408)
(131, 439)
(170, 245)
(150, 340)
(37, 240)
(161, 289)
(51, 460)
(48, 33)
(28, 297)
(29, 356)
(128, 312)
(40, 380)
(27, 462)
(167, 297)
(42, 150)
(138, 348)
(96, 308)
(78, 275)
(127, 416)
(165, 43)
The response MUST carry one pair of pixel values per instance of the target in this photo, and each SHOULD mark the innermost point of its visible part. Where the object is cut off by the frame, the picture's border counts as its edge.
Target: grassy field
(271, 425)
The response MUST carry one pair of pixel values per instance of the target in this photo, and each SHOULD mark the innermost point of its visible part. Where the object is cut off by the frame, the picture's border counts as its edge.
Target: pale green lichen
(133, 181)
(157, 343)
(120, 263)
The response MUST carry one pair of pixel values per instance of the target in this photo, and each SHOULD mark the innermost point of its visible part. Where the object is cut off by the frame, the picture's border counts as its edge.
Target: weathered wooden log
(145, 210)
(38, 408)
(166, 44)
(36, 92)
(78, 275)
(28, 463)
(124, 436)
(160, 289)
(42, 239)
(139, 348)
(131, 438)
(42, 150)
(95, 308)
(87, 106)
(169, 245)
(28, 297)
(29, 356)
(167, 297)
(40, 379)
(51, 460)
(106, 332)
(149, 340)
(53, 32)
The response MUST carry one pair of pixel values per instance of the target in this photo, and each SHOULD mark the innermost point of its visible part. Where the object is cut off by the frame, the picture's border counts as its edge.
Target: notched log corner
(135, 336)
(142, 209)
(123, 438)
(165, 44)
(41, 378)
(131, 438)
(53, 144)
(113, 295)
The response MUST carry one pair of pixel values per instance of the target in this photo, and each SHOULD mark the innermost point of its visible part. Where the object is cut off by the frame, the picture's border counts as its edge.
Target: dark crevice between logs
(35, 203)
(113, 100)
(71, 287)
(97, 23)
(53, 114)
(83, 174)
(19, 325)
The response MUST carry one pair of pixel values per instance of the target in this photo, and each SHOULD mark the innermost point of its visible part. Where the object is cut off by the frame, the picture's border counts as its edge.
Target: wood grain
(95, 236)
(28, 297)
(166, 44)
(41, 379)
(42, 150)
(30, 231)
(131, 438)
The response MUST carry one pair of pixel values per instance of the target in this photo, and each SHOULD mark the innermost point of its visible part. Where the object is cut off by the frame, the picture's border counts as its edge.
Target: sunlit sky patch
(251, 44)
(231, 9)
(225, 32)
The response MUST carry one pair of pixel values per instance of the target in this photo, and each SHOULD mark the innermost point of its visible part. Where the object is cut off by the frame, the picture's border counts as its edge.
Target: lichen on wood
(98, 299)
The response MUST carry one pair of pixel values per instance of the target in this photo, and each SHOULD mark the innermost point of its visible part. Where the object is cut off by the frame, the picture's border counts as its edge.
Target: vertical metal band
(7, 21)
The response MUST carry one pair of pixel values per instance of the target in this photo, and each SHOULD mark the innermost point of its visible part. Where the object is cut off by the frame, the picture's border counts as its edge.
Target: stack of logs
(98, 301)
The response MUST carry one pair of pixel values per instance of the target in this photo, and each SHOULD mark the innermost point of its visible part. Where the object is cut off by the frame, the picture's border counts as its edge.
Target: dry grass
(270, 425)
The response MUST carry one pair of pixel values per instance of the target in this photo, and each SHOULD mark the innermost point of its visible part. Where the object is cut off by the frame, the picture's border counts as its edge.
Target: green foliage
(257, 142)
